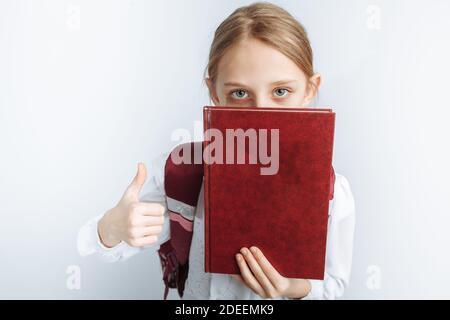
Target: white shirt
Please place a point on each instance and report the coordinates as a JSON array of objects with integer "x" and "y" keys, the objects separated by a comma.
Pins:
[{"x": 202, "y": 285}]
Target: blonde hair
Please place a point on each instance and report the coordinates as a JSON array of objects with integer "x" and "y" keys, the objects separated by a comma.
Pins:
[{"x": 269, "y": 23}]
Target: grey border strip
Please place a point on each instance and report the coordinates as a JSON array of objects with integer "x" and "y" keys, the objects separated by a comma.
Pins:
[{"x": 182, "y": 208}]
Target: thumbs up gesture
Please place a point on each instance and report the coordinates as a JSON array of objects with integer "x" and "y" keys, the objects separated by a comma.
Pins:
[{"x": 137, "y": 223}]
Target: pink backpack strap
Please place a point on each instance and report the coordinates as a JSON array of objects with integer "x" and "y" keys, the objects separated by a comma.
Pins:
[
  {"x": 332, "y": 181},
  {"x": 182, "y": 184}
]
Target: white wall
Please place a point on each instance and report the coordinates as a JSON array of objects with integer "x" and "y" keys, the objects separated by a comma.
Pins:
[{"x": 89, "y": 88}]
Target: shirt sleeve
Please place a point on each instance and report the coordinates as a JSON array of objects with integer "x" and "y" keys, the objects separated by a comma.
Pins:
[
  {"x": 88, "y": 241},
  {"x": 338, "y": 261}
]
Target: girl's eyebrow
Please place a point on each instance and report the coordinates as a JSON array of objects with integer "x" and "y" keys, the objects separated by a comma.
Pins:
[
  {"x": 276, "y": 83},
  {"x": 234, "y": 84},
  {"x": 280, "y": 82}
]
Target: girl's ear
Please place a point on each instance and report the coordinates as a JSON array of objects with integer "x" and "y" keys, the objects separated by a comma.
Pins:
[
  {"x": 312, "y": 88},
  {"x": 212, "y": 92}
]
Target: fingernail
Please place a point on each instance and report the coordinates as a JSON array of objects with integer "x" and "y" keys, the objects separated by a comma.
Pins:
[
  {"x": 244, "y": 250},
  {"x": 238, "y": 256},
  {"x": 254, "y": 249}
]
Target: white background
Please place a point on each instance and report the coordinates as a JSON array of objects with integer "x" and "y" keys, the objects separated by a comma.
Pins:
[{"x": 89, "y": 88}]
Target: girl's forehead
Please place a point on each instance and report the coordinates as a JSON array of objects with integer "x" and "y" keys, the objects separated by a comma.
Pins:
[{"x": 252, "y": 59}]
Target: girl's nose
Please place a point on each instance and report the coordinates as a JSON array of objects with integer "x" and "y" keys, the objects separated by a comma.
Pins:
[{"x": 261, "y": 102}]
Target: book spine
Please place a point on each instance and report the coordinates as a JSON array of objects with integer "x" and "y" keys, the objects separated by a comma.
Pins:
[
  {"x": 206, "y": 126},
  {"x": 331, "y": 134}
]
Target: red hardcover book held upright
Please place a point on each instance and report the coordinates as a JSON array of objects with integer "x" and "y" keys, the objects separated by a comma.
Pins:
[{"x": 254, "y": 199}]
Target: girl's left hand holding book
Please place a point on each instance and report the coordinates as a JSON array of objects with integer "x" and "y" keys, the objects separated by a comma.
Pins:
[{"x": 260, "y": 276}]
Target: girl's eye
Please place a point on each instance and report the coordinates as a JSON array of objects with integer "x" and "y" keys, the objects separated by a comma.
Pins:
[
  {"x": 281, "y": 92},
  {"x": 239, "y": 94}
]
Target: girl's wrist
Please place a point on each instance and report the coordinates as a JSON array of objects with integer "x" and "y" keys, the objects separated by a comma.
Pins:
[
  {"x": 105, "y": 236},
  {"x": 299, "y": 289}
]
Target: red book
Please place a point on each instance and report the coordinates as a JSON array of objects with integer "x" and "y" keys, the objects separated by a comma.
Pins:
[{"x": 273, "y": 193}]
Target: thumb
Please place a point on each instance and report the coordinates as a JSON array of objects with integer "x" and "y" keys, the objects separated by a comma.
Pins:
[{"x": 132, "y": 192}]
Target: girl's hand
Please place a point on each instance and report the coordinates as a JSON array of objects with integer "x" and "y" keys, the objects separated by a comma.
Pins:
[
  {"x": 136, "y": 223},
  {"x": 260, "y": 276}
]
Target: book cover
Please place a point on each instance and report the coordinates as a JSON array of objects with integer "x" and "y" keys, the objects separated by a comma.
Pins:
[{"x": 267, "y": 184}]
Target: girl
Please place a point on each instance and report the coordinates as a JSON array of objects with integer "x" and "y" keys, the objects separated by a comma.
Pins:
[{"x": 260, "y": 56}]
